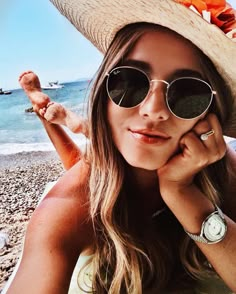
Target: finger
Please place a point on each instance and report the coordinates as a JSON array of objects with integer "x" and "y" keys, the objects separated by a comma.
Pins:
[
  {"x": 200, "y": 153},
  {"x": 210, "y": 129},
  {"x": 219, "y": 138},
  {"x": 203, "y": 126},
  {"x": 205, "y": 132},
  {"x": 193, "y": 147},
  {"x": 214, "y": 122}
]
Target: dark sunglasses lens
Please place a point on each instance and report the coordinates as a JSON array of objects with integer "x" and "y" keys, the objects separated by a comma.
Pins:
[
  {"x": 188, "y": 97},
  {"x": 127, "y": 87}
]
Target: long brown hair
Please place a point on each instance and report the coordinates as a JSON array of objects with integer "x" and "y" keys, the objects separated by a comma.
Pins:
[{"x": 125, "y": 260}]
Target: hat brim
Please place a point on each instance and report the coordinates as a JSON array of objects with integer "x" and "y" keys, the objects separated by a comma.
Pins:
[{"x": 99, "y": 21}]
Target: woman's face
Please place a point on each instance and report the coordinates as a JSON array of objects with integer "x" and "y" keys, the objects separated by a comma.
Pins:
[{"x": 148, "y": 135}]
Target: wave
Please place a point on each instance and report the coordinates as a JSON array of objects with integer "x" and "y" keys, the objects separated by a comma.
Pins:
[{"x": 13, "y": 148}]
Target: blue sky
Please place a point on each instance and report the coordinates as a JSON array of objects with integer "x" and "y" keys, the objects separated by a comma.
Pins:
[{"x": 35, "y": 36}]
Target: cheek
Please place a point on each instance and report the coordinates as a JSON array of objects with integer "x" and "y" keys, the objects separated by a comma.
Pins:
[
  {"x": 118, "y": 118},
  {"x": 185, "y": 126}
]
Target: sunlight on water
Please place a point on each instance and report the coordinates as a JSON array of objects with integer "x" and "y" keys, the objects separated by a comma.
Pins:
[{"x": 22, "y": 131}]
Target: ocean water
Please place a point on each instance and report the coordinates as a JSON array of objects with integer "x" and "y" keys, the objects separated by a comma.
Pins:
[{"x": 22, "y": 131}]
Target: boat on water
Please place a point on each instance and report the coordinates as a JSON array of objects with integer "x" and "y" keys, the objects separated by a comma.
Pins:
[
  {"x": 52, "y": 86},
  {"x": 4, "y": 92}
]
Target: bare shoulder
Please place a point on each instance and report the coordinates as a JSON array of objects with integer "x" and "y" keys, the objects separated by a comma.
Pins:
[
  {"x": 66, "y": 207},
  {"x": 59, "y": 230},
  {"x": 73, "y": 184},
  {"x": 230, "y": 197}
]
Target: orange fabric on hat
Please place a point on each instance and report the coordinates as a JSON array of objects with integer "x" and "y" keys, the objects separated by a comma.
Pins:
[
  {"x": 222, "y": 14},
  {"x": 198, "y": 4},
  {"x": 225, "y": 19}
]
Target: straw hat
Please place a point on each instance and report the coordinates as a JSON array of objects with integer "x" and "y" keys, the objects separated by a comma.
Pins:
[{"x": 100, "y": 20}]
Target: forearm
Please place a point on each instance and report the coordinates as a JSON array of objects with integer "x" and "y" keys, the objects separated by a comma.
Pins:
[
  {"x": 222, "y": 255},
  {"x": 67, "y": 150},
  {"x": 191, "y": 207}
]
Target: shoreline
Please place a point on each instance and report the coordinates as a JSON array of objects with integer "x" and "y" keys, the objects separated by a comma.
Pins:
[
  {"x": 26, "y": 158},
  {"x": 23, "y": 177}
]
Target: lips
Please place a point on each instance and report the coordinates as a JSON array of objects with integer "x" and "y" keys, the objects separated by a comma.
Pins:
[{"x": 148, "y": 136}]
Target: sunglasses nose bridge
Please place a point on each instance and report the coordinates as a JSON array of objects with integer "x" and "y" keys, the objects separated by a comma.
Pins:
[
  {"x": 157, "y": 82},
  {"x": 154, "y": 105}
]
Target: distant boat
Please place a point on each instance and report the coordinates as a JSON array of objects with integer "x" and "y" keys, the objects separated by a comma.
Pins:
[
  {"x": 4, "y": 92},
  {"x": 52, "y": 86}
]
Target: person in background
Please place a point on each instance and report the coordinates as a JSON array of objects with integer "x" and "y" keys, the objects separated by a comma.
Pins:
[{"x": 152, "y": 201}]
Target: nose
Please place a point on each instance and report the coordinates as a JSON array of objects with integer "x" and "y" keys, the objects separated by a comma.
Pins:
[{"x": 154, "y": 106}]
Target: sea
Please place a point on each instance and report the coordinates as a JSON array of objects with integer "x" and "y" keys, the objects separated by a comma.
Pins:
[{"x": 22, "y": 131}]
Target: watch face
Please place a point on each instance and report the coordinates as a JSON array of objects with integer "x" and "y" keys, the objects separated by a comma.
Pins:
[{"x": 214, "y": 228}]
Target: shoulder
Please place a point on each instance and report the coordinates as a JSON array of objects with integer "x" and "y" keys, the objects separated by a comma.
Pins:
[
  {"x": 73, "y": 184},
  {"x": 64, "y": 212}
]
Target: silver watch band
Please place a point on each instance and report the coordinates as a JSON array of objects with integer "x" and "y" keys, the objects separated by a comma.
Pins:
[
  {"x": 201, "y": 238},
  {"x": 197, "y": 238}
]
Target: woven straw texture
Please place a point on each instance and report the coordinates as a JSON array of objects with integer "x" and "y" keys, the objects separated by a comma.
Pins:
[{"x": 99, "y": 21}]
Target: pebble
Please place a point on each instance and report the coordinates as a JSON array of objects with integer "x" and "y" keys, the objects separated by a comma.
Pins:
[
  {"x": 23, "y": 177},
  {"x": 4, "y": 240}
]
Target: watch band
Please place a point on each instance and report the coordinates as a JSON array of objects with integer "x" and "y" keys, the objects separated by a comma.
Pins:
[
  {"x": 197, "y": 238},
  {"x": 201, "y": 237}
]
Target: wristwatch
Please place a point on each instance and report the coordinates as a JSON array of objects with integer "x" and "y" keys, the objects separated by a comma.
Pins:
[{"x": 213, "y": 228}]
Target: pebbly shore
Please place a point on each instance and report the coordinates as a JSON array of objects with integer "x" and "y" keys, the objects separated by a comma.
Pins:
[{"x": 23, "y": 178}]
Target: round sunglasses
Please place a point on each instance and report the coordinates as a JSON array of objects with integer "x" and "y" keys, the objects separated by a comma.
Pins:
[{"x": 186, "y": 97}]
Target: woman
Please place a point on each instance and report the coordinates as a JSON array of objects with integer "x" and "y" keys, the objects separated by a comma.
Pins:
[{"x": 153, "y": 199}]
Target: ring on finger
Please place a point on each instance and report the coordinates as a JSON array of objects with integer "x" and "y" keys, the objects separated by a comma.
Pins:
[{"x": 205, "y": 136}]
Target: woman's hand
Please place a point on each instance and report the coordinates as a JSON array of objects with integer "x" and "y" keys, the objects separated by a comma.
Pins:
[
  {"x": 195, "y": 154},
  {"x": 187, "y": 202}
]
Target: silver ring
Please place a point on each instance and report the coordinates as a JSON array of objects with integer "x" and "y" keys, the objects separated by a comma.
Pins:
[{"x": 205, "y": 136}]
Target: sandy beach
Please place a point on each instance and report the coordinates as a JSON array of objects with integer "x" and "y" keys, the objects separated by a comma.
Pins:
[{"x": 23, "y": 177}]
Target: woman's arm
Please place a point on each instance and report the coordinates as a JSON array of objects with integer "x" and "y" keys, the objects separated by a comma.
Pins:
[{"x": 190, "y": 205}]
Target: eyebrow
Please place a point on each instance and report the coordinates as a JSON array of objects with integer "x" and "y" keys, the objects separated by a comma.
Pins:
[
  {"x": 185, "y": 72},
  {"x": 138, "y": 64},
  {"x": 146, "y": 67}
]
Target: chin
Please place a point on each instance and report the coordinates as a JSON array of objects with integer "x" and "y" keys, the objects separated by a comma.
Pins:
[{"x": 147, "y": 164}]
